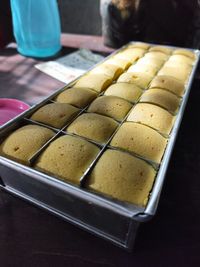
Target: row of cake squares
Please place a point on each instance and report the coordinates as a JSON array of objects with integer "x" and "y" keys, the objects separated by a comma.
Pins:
[
  {"x": 128, "y": 90},
  {"x": 68, "y": 158},
  {"x": 114, "y": 108},
  {"x": 100, "y": 124},
  {"x": 143, "y": 140},
  {"x": 116, "y": 102}
]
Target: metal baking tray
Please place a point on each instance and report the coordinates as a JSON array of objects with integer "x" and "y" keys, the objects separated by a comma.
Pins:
[{"x": 93, "y": 212}]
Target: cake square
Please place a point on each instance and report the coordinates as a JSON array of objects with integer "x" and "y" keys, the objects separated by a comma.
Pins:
[
  {"x": 140, "y": 79},
  {"x": 55, "y": 114},
  {"x": 168, "y": 83},
  {"x": 67, "y": 158},
  {"x": 78, "y": 97},
  {"x": 24, "y": 142},
  {"x": 110, "y": 106},
  {"x": 153, "y": 116},
  {"x": 123, "y": 177},
  {"x": 162, "y": 98},
  {"x": 93, "y": 126},
  {"x": 96, "y": 81},
  {"x": 140, "y": 139},
  {"x": 127, "y": 91}
]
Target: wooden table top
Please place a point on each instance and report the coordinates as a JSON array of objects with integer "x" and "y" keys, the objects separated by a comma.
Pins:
[
  {"x": 20, "y": 79},
  {"x": 32, "y": 237}
]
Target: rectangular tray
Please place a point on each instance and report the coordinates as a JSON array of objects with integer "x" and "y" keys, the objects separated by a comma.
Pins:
[{"x": 87, "y": 210}]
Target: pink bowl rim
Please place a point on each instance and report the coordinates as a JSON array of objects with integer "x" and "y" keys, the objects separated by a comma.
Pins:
[
  {"x": 12, "y": 103},
  {"x": 18, "y": 102}
]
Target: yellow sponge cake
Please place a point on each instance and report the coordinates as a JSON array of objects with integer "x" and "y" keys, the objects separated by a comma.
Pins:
[
  {"x": 157, "y": 54},
  {"x": 141, "y": 140},
  {"x": 181, "y": 74},
  {"x": 23, "y": 143},
  {"x": 169, "y": 83},
  {"x": 78, "y": 97},
  {"x": 93, "y": 126},
  {"x": 143, "y": 68},
  {"x": 122, "y": 63},
  {"x": 184, "y": 66},
  {"x": 181, "y": 59},
  {"x": 97, "y": 81},
  {"x": 185, "y": 52},
  {"x": 131, "y": 54},
  {"x": 137, "y": 78},
  {"x": 112, "y": 70},
  {"x": 123, "y": 177},
  {"x": 128, "y": 91},
  {"x": 67, "y": 158},
  {"x": 55, "y": 114},
  {"x": 152, "y": 61},
  {"x": 162, "y": 98},
  {"x": 164, "y": 49},
  {"x": 153, "y": 116},
  {"x": 110, "y": 106},
  {"x": 144, "y": 46}
]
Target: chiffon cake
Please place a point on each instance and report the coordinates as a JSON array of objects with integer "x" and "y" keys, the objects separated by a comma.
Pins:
[
  {"x": 142, "y": 68},
  {"x": 123, "y": 177},
  {"x": 163, "y": 49},
  {"x": 144, "y": 46},
  {"x": 179, "y": 73},
  {"x": 110, "y": 106},
  {"x": 112, "y": 70},
  {"x": 24, "y": 142},
  {"x": 138, "y": 78},
  {"x": 55, "y": 114},
  {"x": 181, "y": 59},
  {"x": 126, "y": 91},
  {"x": 122, "y": 63},
  {"x": 78, "y": 97},
  {"x": 157, "y": 55},
  {"x": 152, "y": 61},
  {"x": 184, "y": 52},
  {"x": 140, "y": 139},
  {"x": 67, "y": 158},
  {"x": 131, "y": 54},
  {"x": 93, "y": 126},
  {"x": 96, "y": 81},
  {"x": 153, "y": 116},
  {"x": 162, "y": 98},
  {"x": 168, "y": 83}
]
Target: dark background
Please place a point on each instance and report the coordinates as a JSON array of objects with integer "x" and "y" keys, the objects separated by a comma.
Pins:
[{"x": 175, "y": 22}]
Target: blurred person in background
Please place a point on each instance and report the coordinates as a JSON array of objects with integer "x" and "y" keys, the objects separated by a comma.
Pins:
[
  {"x": 6, "y": 32},
  {"x": 172, "y": 22}
]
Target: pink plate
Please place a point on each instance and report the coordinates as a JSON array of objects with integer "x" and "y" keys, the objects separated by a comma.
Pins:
[{"x": 10, "y": 108}]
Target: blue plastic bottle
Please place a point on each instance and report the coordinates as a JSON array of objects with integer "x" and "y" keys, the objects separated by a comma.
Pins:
[{"x": 36, "y": 25}]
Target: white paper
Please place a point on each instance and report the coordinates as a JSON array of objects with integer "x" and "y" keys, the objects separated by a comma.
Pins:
[{"x": 67, "y": 68}]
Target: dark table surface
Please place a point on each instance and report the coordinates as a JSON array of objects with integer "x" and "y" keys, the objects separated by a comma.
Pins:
[{"x": 32, "y": 237}]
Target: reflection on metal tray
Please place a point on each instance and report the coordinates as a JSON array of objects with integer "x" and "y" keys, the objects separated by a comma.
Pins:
[{"x": 93, "y": 212}]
